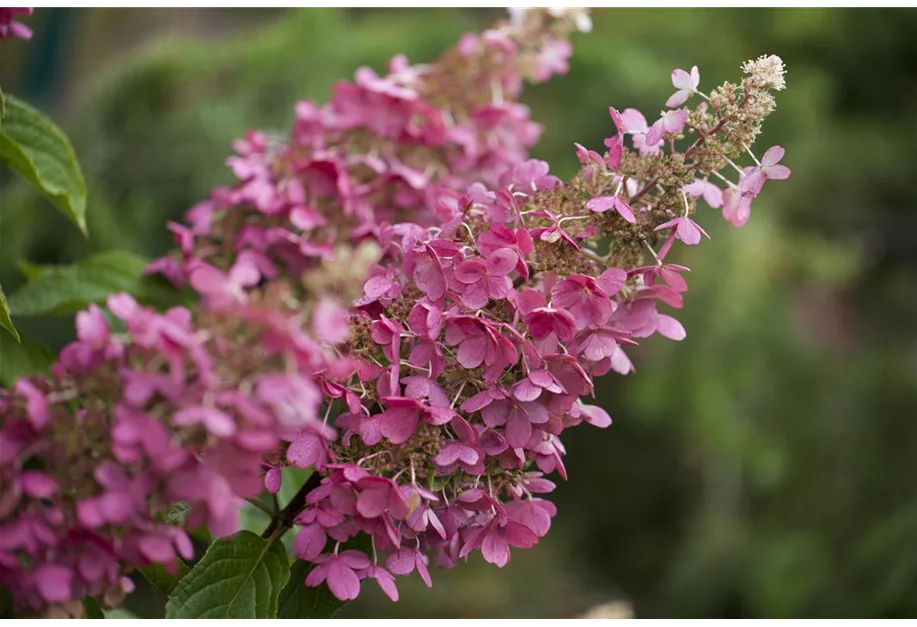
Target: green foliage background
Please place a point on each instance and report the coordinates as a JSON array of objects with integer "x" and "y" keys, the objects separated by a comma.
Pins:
[{"x": 764, "y": 467}]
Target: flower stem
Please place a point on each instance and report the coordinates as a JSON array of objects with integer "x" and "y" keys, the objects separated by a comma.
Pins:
[{"x": 283, "y": 520}]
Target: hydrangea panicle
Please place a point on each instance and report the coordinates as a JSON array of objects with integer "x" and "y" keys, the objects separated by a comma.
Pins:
[{"x": 396, "y": 296}]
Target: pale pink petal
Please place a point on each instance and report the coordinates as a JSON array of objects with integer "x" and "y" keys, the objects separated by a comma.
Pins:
[
  {"x": 625, "y": 211},
  {"x": 596, "y": 416},
  {"x": 773, "y": 156},
  {"x": 634, "y": 121},
  {"x": 669, "y": 327},
  {"x": 682, "y": 80},
  {"x": 778, "y": 172},
  {"x": 678, "y": 98},
  {"x": 601, "y": 204}
]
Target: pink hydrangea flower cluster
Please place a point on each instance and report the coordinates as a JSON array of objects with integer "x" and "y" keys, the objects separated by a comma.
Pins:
[
  {"x": 164, "y": 423},
  {"x": 400, "y": 270},
  {"x": 9, "y": 28}
]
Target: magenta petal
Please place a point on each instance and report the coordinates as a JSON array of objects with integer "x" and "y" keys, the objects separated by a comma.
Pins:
[
  {"x": 401, "y": 562},
  {"x": 472, "y": 351},
  {"x": 372, "y": 502},
  {"x": 387, "y": 584},
  {"x": 310, "y": 542},
  {"x": 688, "y": 232},
  {"x": 470, "y": 271},
  {"x": 612, "y": 280},
  {"x": 495, "y": 549},
  {"x": 398, "y": 424},
  {"x": 317, "y": 575},
  {"x": 518, "y": 431},
  {"x": 53, "y": 583},
  {"x": 448, "y": 455},
  {"x": 307, "y": 449},
  {"x": 519, "y": 535},
  {"x": 342, "y": 581},
  {"x": 37, "y": 484},
  {"x": 156, "y": 549},
  {"x": 355, "y": 559}
]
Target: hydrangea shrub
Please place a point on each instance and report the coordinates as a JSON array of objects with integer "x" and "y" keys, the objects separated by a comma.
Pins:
[{"x": 395, "y": 298}]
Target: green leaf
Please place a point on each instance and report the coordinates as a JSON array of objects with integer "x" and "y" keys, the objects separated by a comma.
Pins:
[
  {"x": 2, "y": 107},
  {"x": 5, "y": 321},
  {"x": 29, "y": 356},
  {"x": 120, "y": 612},
  {"x": 92, "y": 608},
  {"x": 161, "y": 580},
  {"x": 28, "y": 270},
  {"x": 36, "y": 148},
  {"x": 299, "y": 601},
  {"x": 238, "y": 577},
  {"x": 6, "y": 604},
  {"x": 68, "y": 289}
]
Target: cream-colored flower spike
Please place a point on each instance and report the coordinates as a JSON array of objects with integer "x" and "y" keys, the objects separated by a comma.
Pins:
[
  {"x": 577, "y": 9},
  {"x": 767, "y": 72}
]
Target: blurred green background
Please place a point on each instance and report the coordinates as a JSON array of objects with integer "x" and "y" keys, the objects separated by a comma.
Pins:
[{"x": 764, "y": 467}]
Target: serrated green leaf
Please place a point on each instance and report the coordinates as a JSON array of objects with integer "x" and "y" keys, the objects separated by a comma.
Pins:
[
  {"x": 67, "y": 289},
  {"x": 28, "y": 270},
  {"x": 300, "y": 601},
  {"x": 92, "y": 608},
  {"x": 5, "y": 320},
  {"x": 164, "y": 583},
  {"x": 28, "y": 356},
  {"x": 238, "y": 577},
  {"x": 35, "y": 147}
]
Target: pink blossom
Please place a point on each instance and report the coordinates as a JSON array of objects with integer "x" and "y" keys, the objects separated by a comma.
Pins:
[
  {"x": 553, "y": 58},
  {"x": 9, "y": 28},
  {"x": 340, "y": 571},
  {"x": 712, "y": 194},
  {"x": 497, "y": 537},
  {"x": 686, "y": 230},
  {"x": 584, "y": 299},
  {"x": 671, "y": 122},
  {"x": 686, "y": 84},
  {"x": 385, "y": 580},
  {"x": 331, "y": 322},
  {"x": 605, "y": 203},
  {"x": 769, "y": 168},
  {"x": 615, "y": 144},
  {"x": 736, "y": 207},
  {"x": 486, "y": 278}
]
